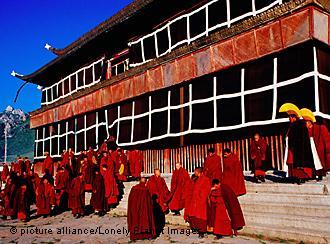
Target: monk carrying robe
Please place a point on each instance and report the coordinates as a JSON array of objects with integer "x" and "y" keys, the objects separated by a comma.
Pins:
[
  {"x": 232, "y": 173},
  {"x": 22, "y": 201},
  {"x": 98, "y": 200},
  {"x": 212, "y": 165},
  {"x": 180, "y": 186},
  {"x": 258, "y": 155},
  {"x": 111, "y": 187},
  {"x": 48, "y": 165},
  {"x": 77, "y": 196},
  {"x": 197, "y": 213},
  {"x": 62, "y": 184},
  {"x": 45, "y": 197},
  {"x": 140, "y": 218},
  {"x": 158, "y": 189},
  {"x": 135, "y": 163}
]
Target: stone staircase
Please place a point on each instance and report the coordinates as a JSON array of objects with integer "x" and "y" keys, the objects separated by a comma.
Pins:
[{"x": 275, "y": 211}]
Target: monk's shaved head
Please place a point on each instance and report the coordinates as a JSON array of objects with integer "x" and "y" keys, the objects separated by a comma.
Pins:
[
  {"x": 198, "y": 171},
  {"x": 178, "y": 165},
  {"x": 157, "y": 172},
  {"x": 143, "y": 180}
]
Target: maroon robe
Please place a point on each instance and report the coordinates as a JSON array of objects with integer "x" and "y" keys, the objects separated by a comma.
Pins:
[
  {"x": 140, "y": 217},
  {"x": 320, "y": 135},
  {"x": 135, "y": 163},
  {"x": 212, "y": 167},
  {"x": 90, "y": 154},
  {"x": 22, "y": 202},
  {"x": 111, "y": 187},
  {"x": 62, "y": 184},
  {"x": 233, "y": 174},
  {"x": 158, "y": 187},
  {"x": 233, "y": 208},
  {"x": 9, "y": 192},
  {"x": 87, "y": 171},
  {"x": 218, "y": 220},
  {"x": 197, "y": 213},
  {"x": 45, "y": 198},
  {"x": 4, "y": 173},
  {"x": 98, "y": 200},
  {"x": 77, "y": 196},
  {"x": 48, "y": 164},
  {"x": 258, "y": 150},
  {"x": 180, "y": 186}
]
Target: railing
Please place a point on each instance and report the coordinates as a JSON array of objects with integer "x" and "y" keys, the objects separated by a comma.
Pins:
[
  {"x": 80, "y": 82},
  {"x": 205, "y": 11},
  {"x": 115, "y": 69}
]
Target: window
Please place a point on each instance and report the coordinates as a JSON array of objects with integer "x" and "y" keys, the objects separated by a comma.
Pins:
[
  {"x": 197, "y": 23},
  {"x": 202, "y": 116},
  {"x": 229, "y": 111},
  {"x": 178, "y": 31},
  {"x": 217, "y": 13},
  {"x": 229, "y": 81},
  {"x": 259, "y": 73},
  {"x": 149, "y": 48},
  {"x": 259, "y": 106},
  {"x": 162, "y": 41},
  {"x": 239, "y": 8}
]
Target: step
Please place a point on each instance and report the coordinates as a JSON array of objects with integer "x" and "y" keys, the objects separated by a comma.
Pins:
[
  {"x": 289, "y": 221},
  {"x": 282, "y": 234},
  {"x": 292, "y": 209},
  {"x": 310, "y": 189},
  {"x": 283, "y": 198}
]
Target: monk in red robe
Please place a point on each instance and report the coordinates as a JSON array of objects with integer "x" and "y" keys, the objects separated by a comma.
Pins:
[
  {"x": 197, "y": 214},
  {"x": 319, "y": 135},
  {"x": 180, "y": 185},
  {"x": 111, "y": 187},
  {"x": 8, "y": 195},
  {"x": 62, "y": 184},
  {"x": 98, "y": 200},
  {"x": 48, "y": 164},
  {"x": 212, "y": 165},
  {"x": 87, "y": 169},
  {"x": 121, "y": 165},
  {"x": 22, "y": 200},
  {"x": 45, "y": 198},
  {"x": 258, "y": 150},
  {"x": 158, "y": 189},
  {"x": 135, "y": 158},
  {"x": 218, "y": 221},
  {"x": 77, "y": 196},
  {"x": 233, "y": 173},
  {"x": 28, "y": 165},
  {"x": 5, "y": 172},
  {"x": 140, "y": 217},
  {"x": 225, "y": 215}
]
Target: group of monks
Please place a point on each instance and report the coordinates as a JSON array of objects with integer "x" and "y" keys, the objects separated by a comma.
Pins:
[
  {"x": 208, "y": 197},
  {"x": 98, "y": 172},
  {"x": 307, "y": 154}
]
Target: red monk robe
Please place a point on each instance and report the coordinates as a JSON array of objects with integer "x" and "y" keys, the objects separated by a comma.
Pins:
[
  {"x": 48, "y": 164},
  {"x": 87, "y": 169},
  {"x": 62, "y": 184},
  {"x": 45, "y": 198},
  {"x": 27, "y": 165},
  {"x": 4, "y": 173},
  {"x": 140, "y": 217},
  {"x": 21, "y": 202},
  {"x": 258, "y": 150},
  {"x": 8, "y": 193},
  {"x": 180, "y": 187},
  {"x": 111, "y": 187},
  {"x": 218, "y": 220},
  {"x": 212, "y": 165},
  {"x": 321, "y": 138},
  {"x": 232, "y": 173},
  {"x": 90, "y": 154},
  {"x": 121, "y": 167},
  {"x": 77, "y": 196},
  {"x": 135, "y": 158},
  {"x": 98, "y": 200},
  {"x": 197, "y": 213},
  {"x": 157, "y": 186}
]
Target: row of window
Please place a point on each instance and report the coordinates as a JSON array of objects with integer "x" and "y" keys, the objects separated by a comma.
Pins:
[
  {"x": 201, "y": 22},
  {"x": 235, "y": 98}
]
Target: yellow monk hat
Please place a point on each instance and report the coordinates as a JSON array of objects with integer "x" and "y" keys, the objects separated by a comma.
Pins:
[
  {"x": 307, "y": 114},
  {"x": 290, "y": 109}
]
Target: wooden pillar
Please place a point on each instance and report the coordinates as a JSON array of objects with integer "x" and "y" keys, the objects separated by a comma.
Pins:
[
  {"x": 181, "y": 116},
  {"x": 167, "y": 160}
]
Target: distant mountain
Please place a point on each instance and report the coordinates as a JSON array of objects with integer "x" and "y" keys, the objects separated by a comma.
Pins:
[{"x": 20, "y": 137}]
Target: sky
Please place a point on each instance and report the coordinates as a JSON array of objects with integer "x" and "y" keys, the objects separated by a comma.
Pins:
[{"x": 25, "y": 27}]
